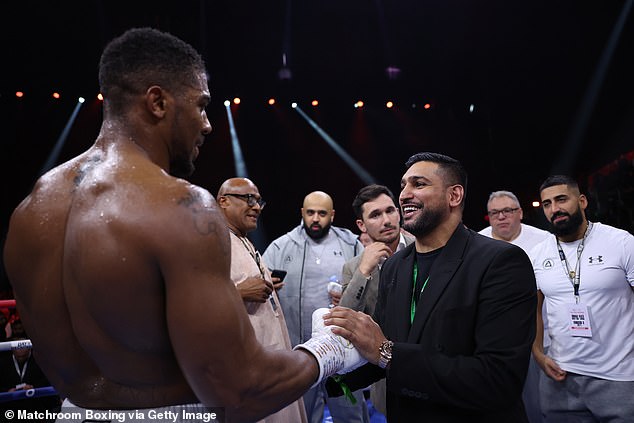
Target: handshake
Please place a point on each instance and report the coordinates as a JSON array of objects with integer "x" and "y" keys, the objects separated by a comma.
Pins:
[{"x": 333, "y": 353}]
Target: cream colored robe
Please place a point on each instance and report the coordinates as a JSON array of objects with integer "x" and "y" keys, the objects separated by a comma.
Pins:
[{"x": 269, "y": 324}]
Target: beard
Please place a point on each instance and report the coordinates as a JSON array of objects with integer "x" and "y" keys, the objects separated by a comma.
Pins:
[
  {"x": 181, "y": 167},
  {"x": 566, "y": 227},
  {"x": 315, "y": 233},
  {"x": 427, "y": 221}
]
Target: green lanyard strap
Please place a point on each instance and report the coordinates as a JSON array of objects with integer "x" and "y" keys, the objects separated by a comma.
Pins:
[
  {"x": 346, "y": 390},
  {"x": 413, "y": 302}
]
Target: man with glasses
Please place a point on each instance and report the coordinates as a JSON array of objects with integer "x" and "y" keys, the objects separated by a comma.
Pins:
[
  {"x": 505, "y": 216},
  {"x": 241, "y": 203}
]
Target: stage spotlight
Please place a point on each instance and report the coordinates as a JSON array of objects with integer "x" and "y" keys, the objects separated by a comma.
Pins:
[
  {"x": 236, "y": 100},
  {"x": 359, "y": 104},
  {"x": 294, "y": 105},
  {"x": 81, "y": 99},
  {"x": 19, "y": 94},
  {"x": 427, "y": 106},
  {"x": 389, "y": 104},
  {"x": 100, "y": 97},
  {"x": 315, "y": 103},
  {"x": 227, "y": 103},
  {"x": 56, "y": 95},
  {"x": 471, "y": 108},
  {"x": 535, "y": 204},
  {"x": 271, "y": 101}
]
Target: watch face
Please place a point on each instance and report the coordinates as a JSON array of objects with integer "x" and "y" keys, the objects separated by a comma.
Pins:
[
  {"x": 385, "y": 354},
  {"x": 386, "y": 349}
]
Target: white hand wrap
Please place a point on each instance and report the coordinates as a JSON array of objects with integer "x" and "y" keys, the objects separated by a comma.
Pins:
[{"x": 333, "y": 353}]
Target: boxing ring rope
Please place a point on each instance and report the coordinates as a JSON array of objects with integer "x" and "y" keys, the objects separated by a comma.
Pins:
[
  {"x": 15, "y": 345},
  {"x": 45, "y": 391},
  {"x": 7, "y": 303}
]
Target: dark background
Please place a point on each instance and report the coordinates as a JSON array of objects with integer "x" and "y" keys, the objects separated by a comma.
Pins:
[{"x": 526, "y": 66}]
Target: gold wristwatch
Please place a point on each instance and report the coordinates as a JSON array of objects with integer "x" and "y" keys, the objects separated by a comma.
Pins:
[{"x": 385, "y": 353}]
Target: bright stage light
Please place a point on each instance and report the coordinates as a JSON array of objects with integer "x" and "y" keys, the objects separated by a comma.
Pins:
[
  {"x": 56, "y": 95},
  {"x": 236, "y": 100},
  {"x": 271, "y": 101},
  {"x": 227, "y": 103},
  {"x": 294, "y": 105},
  {"x": 19, "y": 94},
  {"x": 358, "y": 104},
  {"x": 389, "y": 104},
  {"x": 81, "y": 99},
  {"x": 471, "y": 108},
  {"x": 100, "y": 97},
  {"x": 315, "y": 103},
  {"x": 535, "y": 204},
  {"x": 427, "y": 106}
]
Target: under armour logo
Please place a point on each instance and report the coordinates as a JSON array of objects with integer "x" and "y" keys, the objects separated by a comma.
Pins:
[
  {"x": 548, "y": 264},
  {"x": 595, "y": 260},
  {"x": 338, "y": 253}
]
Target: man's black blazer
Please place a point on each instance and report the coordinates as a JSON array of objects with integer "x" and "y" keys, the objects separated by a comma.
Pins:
[{"x": 465, "y": 357}]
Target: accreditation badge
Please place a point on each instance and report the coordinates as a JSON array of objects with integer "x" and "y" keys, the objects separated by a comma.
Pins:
[{"x": 579, "y": 320}]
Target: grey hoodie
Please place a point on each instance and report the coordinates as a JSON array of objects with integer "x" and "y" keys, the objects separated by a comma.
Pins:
[{"x": 288, "y": 252}]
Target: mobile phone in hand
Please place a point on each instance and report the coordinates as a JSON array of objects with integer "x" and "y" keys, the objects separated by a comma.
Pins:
[{"x": 278, "y": 273}]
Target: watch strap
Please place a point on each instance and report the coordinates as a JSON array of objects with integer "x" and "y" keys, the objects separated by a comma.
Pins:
[{"x": 385, "y": 353}]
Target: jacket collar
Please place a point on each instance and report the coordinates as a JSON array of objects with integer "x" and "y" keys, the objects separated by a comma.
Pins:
[{"x": 444, "y": 268}]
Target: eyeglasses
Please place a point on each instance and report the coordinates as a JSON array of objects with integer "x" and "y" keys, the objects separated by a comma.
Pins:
[
  {"x": 251, "y": 199},
  {"x": 506, "y": 212}
]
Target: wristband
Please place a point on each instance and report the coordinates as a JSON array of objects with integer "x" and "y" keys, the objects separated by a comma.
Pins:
[{"x": 328, "y": 352}]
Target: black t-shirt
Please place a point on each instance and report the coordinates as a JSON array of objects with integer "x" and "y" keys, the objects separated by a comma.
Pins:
[{"x": 424, "y": 261}]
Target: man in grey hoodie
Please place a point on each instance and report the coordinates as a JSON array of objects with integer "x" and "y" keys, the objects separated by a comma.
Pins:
[{"x": 313, "y": 254}]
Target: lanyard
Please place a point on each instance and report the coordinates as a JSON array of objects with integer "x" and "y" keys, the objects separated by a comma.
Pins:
[
  {"x": 255, "y": 255},
  {"x": 574, "y": 275},
  {"x": 412, "y": 309},
  {"x": 17, "y": 368}
]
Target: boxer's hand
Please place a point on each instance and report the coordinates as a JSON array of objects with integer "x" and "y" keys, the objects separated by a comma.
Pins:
[{"x": 333, "y": 353}]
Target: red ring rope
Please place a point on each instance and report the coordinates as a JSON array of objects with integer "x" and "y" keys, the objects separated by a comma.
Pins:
[{"x": 7, "y": 303}]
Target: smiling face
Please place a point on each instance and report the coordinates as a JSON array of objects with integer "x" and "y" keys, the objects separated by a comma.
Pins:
[
  {"x": 241, "y": 217},
  {"x": 423, "y": 199}
]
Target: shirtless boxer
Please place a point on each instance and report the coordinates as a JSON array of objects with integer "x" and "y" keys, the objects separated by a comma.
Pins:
[{"x": 121, "y": 269}]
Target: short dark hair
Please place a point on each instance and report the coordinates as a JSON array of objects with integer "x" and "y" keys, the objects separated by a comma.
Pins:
[
  {"x": 452, "y": 168},
  {"x": 142, "y": 57},
  {"x": 369, "y": 193},
  {"x": 553, "y": 180}
]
